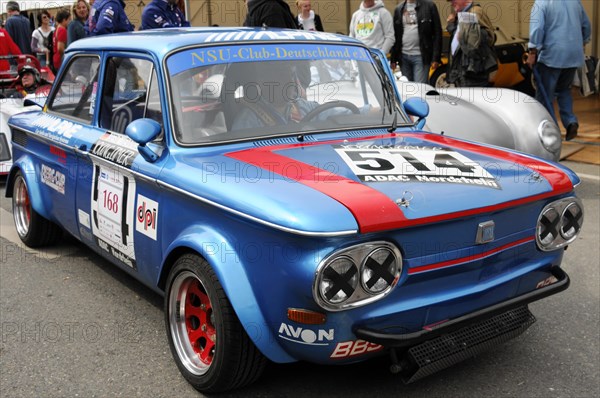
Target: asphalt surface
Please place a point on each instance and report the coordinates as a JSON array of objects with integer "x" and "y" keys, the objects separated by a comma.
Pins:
[{"x": 73, "y": 325}]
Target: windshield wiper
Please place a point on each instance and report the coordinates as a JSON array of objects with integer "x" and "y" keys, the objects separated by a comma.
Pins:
[{"x": 388, "y": 95}]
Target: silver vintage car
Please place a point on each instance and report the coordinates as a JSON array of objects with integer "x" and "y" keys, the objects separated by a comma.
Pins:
[{"x": 496, "y": 116}]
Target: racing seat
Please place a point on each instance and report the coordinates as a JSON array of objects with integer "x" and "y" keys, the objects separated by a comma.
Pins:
[{"x": 239, "y": 77}]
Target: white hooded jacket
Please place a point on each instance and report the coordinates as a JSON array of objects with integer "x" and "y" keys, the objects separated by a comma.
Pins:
[{"x": 373, "y": 26}]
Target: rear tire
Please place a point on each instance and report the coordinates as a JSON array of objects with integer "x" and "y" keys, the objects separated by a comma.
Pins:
[
  {"x": 209, "y": 344},
  {"x": 33, "y": 229}
]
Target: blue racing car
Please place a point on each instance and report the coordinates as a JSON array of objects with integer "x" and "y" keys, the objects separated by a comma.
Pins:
[{"x": 274, "y": 188}]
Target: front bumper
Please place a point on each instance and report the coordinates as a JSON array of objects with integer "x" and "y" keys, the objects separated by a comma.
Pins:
[
  {"x": 393, "y": 340},
  {"x": 420, "y": 354}
]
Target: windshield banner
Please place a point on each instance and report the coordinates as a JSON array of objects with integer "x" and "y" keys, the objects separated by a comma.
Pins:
[{"x": 203, "y": 56}]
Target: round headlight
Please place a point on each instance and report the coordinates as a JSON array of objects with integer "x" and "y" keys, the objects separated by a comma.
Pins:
[
  {"x": 549, "y": 134},
  {"x": 339, "y": 280},
  {"x": 379, "y": 270},
  {"x": 571, "y": 220},
  {"x": 548, "y": 225}
]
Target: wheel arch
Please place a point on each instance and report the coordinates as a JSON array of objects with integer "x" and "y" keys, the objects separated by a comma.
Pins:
[
  {"x": 222, "y": 257},
  {"x": 27, "y": 170}
]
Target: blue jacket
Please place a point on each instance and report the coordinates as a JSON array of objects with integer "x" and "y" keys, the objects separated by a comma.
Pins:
[
  {"x": 161, "y": 14},
  {"x": 559, "y": 29},
  {"x": 108, "y": 16}
]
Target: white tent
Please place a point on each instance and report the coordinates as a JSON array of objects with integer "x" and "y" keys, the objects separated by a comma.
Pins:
[{"x": 37, "y": 4}]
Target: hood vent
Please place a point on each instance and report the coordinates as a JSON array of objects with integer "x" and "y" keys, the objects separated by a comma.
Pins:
[
  {"x": 365, "y": 133},
  {"x": 285, "y": 141},
  {"x": 18, "y": 137}
]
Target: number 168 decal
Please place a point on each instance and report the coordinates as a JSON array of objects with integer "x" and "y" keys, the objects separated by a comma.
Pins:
[
  {"x": 113, "y": 195},
  {"x": 434, "y": 165}
]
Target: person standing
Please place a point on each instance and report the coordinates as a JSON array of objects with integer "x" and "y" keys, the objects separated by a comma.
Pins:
[
  {"x": 59, "y": 39},
  {"x": 473, "y": 60},
  {"x": 558, "y": 32},
  {"x": 108, "y": 16},
  {"x": 270, "y": 13},
  {"x": 163, "y": 14},
  {"x": 18, "y": 27},
  {"x": 76, "y": 28},
  {"x": 7, "y": 47},
  {"x": 307, "y": 19},
  {"x": 373, "y": 25},
  {"x": 41, "y": 37},
  {"x": 418, "y": 44}
]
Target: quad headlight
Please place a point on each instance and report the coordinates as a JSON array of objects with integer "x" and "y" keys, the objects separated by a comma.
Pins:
[
  {"x": 357, "y": 275},
  {"x": 559, "y": 224}
]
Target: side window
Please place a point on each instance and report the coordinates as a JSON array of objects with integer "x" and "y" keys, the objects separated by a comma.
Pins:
[
  {"x": 130, "y": 92},
  {"x": 76, "y": 92}
]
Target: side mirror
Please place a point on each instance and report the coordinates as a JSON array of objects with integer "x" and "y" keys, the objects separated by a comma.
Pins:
[
  {"x": 143, "y": 131},
  {"x": 31, "y": 102},
  {"x": 418, "y": 107}
]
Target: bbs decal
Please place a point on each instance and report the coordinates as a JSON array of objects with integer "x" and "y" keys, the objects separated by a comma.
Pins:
[{"x": 407, "y": 164}]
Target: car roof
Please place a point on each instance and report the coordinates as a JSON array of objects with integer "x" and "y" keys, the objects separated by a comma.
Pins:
[{"x": 163, "y": 41}]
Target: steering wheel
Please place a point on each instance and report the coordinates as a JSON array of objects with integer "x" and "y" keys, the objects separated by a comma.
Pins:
[{"x": 329, "y": 105}]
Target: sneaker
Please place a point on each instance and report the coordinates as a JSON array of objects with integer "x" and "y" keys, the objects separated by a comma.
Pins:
[{"x": 572, "y": 131}]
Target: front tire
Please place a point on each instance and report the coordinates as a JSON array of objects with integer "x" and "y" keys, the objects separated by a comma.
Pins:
[
  {"x": 33, "y": 229},
  {"x": 210, "y": 346}
]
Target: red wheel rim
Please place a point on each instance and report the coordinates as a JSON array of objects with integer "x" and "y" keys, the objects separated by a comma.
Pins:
[
  {"x": 198, "y": 319},
  {"x": 191, "y": 318}
]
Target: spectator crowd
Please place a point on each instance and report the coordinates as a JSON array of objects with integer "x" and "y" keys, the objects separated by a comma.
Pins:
[{"x": 412, "y": 37}]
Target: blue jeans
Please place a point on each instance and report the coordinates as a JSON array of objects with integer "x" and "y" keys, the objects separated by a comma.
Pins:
[
  {"x": 556, "y": 83},
  {"x": 413, "y": 68}
]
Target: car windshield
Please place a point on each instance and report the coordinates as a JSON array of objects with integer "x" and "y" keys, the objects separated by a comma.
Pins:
[{"x": 266, "y": 90}]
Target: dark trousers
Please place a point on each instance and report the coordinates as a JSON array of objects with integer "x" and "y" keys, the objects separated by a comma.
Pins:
[{"x": 556, "y": 83}]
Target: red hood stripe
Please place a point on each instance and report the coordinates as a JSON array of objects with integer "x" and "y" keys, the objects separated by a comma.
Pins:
[{"x": 373, "y": 210}]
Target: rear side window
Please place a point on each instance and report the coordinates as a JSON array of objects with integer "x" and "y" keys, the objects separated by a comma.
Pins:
[{"x": 76, "y": 91}]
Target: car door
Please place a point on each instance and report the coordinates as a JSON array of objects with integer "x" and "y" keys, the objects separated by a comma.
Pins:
[
  {"x": 117, "y": 200},
  {"x": 57, "y": 145}
]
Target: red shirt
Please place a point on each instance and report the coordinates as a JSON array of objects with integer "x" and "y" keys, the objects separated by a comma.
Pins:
[
  {"x": 60, "y": 34},
  {"x": 7, "y": 47}
]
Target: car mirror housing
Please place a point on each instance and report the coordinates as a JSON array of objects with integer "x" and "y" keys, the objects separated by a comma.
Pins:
[
  {"x": 417, "y": 107},
  {"x": 143, "y": 131},
  {"x": 30, "y": 102}
]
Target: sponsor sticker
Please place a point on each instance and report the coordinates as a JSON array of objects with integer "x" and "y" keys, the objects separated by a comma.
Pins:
[
  {"x": 348, "y": 349},
  {"x": 116, "y": 148},
  {"x": 185, "y": 60},
  {"x": 300, "y": 335},
  {"x": 146, "y": 216},
  {"x": 53, "y": 178},
  {"x": 546, "y": 282},
  {"x": 61, "y": 155},
  {"x": 437, "y": 165},
  {"x": 55, "y": 128},
  {"x": 84, "y": 218},
  {"x": 113, "y": 208}
]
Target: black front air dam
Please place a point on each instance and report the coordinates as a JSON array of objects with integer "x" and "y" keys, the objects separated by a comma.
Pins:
[
  {"x": 446, "y": 350},
  {"x": 428, "y": 351}
]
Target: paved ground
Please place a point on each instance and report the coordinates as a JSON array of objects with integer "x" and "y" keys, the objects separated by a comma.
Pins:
[{"x": 73, "y": 325}]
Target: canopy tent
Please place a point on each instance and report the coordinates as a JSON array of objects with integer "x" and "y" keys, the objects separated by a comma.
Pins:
[{"x": 37, "y": 4}]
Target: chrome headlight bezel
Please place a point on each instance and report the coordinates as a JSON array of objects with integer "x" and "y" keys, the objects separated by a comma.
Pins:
[
  {"x": 549, "y": 135},
  {"x": 380, "y": 262},
  {"x": 550, "y": 233}
]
